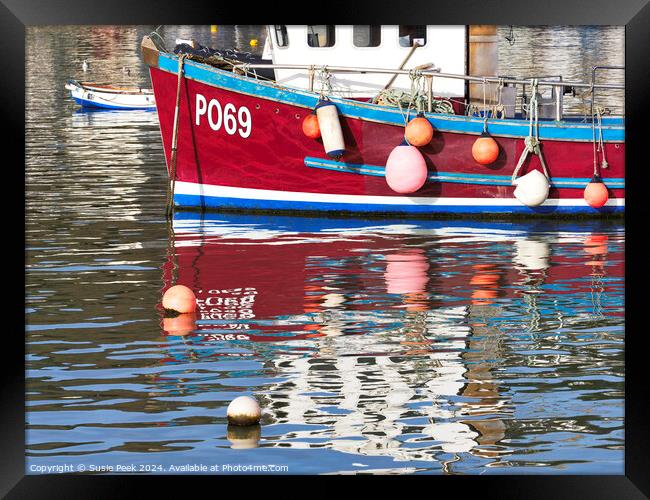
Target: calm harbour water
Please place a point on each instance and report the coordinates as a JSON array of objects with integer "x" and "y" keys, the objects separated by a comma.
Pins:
[{"x": 373, "y": 346}]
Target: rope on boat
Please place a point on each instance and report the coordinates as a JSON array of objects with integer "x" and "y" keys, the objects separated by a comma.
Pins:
[
  {"x": 485, "y": 113},
  {"x": 325, "y": 79},
  {"x": 599, "y": 144},
  {"x": 171, "y": 251},
  {"x": 532, "y": 143},
  {"x": 161, "y": 44},
  {"x": 172, "y": 162},
  {"x": 417, "y": 98},
  {"x": 497, "y": 110}
]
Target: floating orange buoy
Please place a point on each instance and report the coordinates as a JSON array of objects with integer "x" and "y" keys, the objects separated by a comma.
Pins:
[
  {"x": 180, "y": 299},
  {"x": 310, "y": 126},
  {"x": 406, "y": 171},
  {"x": 485, "y": 149},
  {"x": 596, "y": 194},
  {"x": 419, "y": 131}
]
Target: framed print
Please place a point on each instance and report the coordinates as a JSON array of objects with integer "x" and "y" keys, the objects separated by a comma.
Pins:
[{"x": 378, "y": 250}]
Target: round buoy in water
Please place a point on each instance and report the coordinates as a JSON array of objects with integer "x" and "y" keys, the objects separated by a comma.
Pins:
[
  {"x": 406, "y": 171},
  {"x": 596, "y": 194},
  {"x": 310, "y": 126},
  {"x": 330, "y": 128},
  {"x": 179, "y": 299},
  {"x": 243, "y": 410},
  {"x": 532, "y": 188},
  {"x": 253, "y": 42},
  {"x": 419, "y": 131},
  {"x": 485, "y": 149}
]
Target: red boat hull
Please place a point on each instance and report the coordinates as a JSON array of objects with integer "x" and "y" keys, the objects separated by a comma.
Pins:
[{"x": 272, "y": 157}]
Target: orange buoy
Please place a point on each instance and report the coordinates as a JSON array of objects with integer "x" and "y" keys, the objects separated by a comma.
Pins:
[
  {"x": 310, "y": 126},
  {"x": 485, "y": 149},
  {"x": 419, "y": 131},
  {"x": 596, "y": 194},
  {"x": 179, "y": 299},
  {"x": 406, "y": 170}
]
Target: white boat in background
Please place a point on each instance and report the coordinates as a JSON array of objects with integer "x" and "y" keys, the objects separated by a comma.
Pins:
[{"x": 105, "y": 96}]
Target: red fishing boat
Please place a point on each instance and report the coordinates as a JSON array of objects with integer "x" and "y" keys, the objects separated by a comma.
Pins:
[{"x": 234, "y": 139}]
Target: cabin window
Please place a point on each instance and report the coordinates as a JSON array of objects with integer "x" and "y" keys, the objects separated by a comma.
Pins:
[
  {"x": 366, "y": 35},
  {"x": 321, "y": 35},
  {"x": 281, "y": 37},
  {"x": 409, "y": 35}
]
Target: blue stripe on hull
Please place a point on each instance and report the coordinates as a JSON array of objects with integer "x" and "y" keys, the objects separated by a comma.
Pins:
[
  {"x": 212, "y": 202},
  {"x": 613, "y": 129},
  {"x": 455, "y": 177},
  {"x": 312, "y": 224},
  {"x": 92, "y": 104}
]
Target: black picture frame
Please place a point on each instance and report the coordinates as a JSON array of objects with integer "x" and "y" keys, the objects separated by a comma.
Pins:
[{"x": 15, "y": 15}]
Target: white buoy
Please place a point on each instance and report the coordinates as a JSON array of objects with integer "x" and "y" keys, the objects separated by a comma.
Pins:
[
  {"x": 532, "y": 188},
  {"x": 243, "y": 410},
  {"x": 85, "y": 65},
  {"x": 330, "y": 128}
]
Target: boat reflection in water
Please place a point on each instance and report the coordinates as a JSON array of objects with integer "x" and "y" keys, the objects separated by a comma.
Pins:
[
  {"x": 409, "y": 341},
  {"x": 112, "y": 118}
]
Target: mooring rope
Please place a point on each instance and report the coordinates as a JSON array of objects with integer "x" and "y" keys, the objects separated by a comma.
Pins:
[
  {"x": 171, "y": 250},
  {"x": 600, "y": 142},
  {"x": 325, "y": 80},
  {"x": 532, "y": 144},
  {"x": 485, "y": 110},
  {"x": 499, "y": 109},
  {"x": 172, "y": 162},
  {"x": 416, "y": 98}
]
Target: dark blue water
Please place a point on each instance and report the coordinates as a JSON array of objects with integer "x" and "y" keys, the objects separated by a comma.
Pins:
[{"x": 373, "y": 346}]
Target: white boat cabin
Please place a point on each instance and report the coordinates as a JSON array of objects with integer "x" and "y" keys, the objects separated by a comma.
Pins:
[{"x": 369, "y": 46}]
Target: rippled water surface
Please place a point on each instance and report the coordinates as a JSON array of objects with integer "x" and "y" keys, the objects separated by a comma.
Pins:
[{"x": 373, "y": 346}]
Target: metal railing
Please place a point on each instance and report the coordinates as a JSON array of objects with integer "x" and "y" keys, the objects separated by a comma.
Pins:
[
  {"x": 593, "y": 82},
  {"x": 434, "y": 74}
]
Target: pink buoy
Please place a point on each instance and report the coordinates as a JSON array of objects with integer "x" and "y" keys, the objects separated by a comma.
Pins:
[
  {"x": 406, "y": 171},
  {"x": 180, "y": 299}
]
